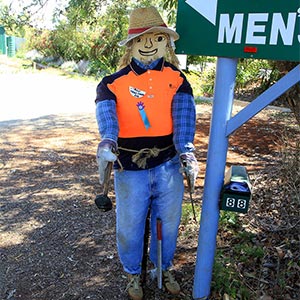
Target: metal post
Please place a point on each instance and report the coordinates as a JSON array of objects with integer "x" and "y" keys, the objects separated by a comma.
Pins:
[
  {"x": 215, "y": 167},
  {"x": 159, "y": 253}
]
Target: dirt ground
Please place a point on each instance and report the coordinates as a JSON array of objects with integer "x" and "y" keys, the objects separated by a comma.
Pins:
[{"x": 55, "y": 244}]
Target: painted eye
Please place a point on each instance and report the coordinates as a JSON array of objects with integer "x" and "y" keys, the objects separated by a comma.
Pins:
[{"x": 160, "y": 38}]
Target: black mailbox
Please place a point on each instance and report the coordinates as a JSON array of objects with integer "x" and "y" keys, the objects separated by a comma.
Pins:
[{"x": 236, "y": 191}]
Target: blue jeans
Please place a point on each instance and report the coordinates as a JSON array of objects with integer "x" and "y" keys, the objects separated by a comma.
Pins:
[{"x": 160, "y": 188}]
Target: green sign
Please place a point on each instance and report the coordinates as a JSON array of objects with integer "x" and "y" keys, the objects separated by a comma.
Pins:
[{"x": 268, "y": 29}]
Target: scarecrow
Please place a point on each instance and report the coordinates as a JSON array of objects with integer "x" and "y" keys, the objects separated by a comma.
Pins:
[{"x": 146, "y": 119}]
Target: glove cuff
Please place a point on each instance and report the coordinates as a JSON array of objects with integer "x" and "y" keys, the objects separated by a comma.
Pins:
[
  {"x": 109, "y": 144},
  {"x": 187, "y": 156}
]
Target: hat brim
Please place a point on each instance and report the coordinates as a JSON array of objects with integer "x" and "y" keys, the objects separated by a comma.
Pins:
[{"x": 173, "y": 34}]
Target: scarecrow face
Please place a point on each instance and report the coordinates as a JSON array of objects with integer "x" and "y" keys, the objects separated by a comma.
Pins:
[{"x": 149, "y": 47}]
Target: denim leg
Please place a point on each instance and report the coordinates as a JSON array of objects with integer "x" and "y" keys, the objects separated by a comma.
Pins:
[
  {"x": 132, "y": 201},
  {"x": 162, "y": 188},
  {"x": 166, "y": 204}
]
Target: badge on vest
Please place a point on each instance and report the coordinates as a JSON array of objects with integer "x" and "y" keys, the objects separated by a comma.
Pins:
[{"x": 136, "y": 93}]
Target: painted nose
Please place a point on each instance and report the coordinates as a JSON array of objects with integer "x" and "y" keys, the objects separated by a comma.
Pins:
[{"x": 148, "y": 43}]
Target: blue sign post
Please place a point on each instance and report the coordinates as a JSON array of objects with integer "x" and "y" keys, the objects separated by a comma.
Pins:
[
  {"x": 215, "y": 22},
  {"x": 215, "y": 166},
  {"x": 222, "y": 125}
]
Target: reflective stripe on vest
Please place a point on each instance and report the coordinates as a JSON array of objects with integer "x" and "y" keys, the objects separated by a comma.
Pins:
[{"x": 144, "y": 102}]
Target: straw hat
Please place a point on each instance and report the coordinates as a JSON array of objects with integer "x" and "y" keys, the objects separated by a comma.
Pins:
[{"x": 147, "y": 19}]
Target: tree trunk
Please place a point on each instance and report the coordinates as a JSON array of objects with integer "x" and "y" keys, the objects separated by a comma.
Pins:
[{"x": 292, "y": 96}]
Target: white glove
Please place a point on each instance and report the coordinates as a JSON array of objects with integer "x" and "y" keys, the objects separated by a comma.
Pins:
[
  {"x": 104, "y": 156},
  {"x": 190, "y": 168}
]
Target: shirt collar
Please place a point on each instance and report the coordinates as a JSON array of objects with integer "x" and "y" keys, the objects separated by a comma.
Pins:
[{"x": 139, "y": 68}]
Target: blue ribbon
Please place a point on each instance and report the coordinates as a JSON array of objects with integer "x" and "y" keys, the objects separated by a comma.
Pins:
[{"x": 144, "y": 118}]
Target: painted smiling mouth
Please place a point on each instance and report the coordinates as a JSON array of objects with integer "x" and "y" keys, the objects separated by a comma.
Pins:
[{"x": 148, "y": 53}]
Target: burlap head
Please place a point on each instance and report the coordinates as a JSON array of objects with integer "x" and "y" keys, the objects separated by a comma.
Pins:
[{"x": 147, "y": 19}]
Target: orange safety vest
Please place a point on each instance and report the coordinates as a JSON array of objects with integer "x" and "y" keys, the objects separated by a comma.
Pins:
[{"x": 149, "y": 94}]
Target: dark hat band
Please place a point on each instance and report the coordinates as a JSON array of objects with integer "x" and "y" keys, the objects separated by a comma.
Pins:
[{"x": 140, "y": 30}]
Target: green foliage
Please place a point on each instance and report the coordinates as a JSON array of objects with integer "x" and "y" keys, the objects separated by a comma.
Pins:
[
  {"x": 251, "y": 71},
  {"x": 227, "y": 277},
  {"x": 70, "y": 43},
  {"x": 195, "y": 81},
  {"x": 247, "y": 251},
  {"x": 231, "y": 261},
  {"x": 63, "y": 42},
  {"x": 40, "y": 40},
  {"x": 114, "y": 24},
  {"x": 229, "y": 220},
  {"x": 187, "y": 212},
  {"x": 203, "y": 79},
  {"x": 200, "y": 61},
  {"x": 226, "y": 280},
  {"x": 82, "y": 11},
  {"x": 170, "y": 6},
  {"x": 13, "y": 23},
  {"x": 95, "y": 40},
  {"x": 208, "y": 77}
]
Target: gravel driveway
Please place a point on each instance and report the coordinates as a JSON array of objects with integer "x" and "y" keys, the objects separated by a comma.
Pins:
[{"x": 26, "y": 95}]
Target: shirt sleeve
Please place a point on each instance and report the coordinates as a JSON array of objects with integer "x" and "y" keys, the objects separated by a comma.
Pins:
[
  {"x": 103, "y": 92},
  {"x": 184, "y": 122},
  {"x": 107, "y": 120}
]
